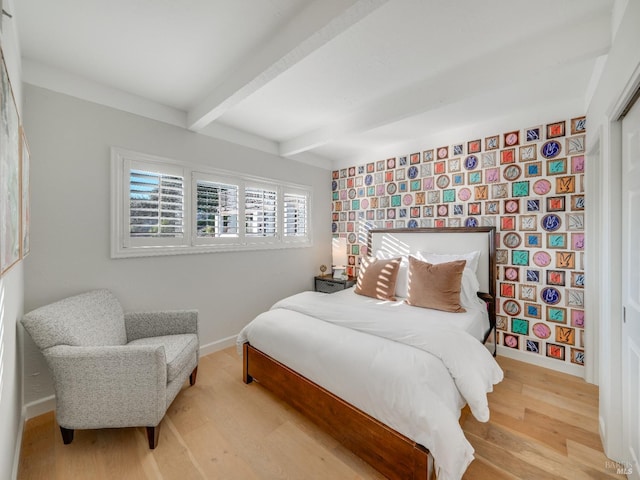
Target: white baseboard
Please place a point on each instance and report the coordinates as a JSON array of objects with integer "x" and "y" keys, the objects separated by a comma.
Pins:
[
  {"x": 18, "y": 446},
  {"x": 217, "y": 345},
  {"x": 541, "y": 361},
  {"x": 44, "y": 405}
]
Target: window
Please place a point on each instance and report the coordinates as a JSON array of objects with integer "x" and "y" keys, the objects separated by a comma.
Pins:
[
  {"x": 216, "y": 209},
  {"x": 151, "y": 212},
  {"x": 156, "y": 207},
  {"x": 260, "y": 212},
  {"x": 157, "y": 211},
  {"x": 295, "y": 215}
]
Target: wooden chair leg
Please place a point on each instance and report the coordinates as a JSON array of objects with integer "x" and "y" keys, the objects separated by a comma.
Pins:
[
  {"x": 192, "y": 377},
  {"x": 67, "y": 435},
  {"x": 153, "y": 433}
]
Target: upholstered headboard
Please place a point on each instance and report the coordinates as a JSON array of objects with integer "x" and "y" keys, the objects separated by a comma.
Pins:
[{"x": 442, "y": 240}]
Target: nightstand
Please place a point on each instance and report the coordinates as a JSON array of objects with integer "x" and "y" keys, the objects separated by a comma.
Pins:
[{"x": 328, "y": 284}]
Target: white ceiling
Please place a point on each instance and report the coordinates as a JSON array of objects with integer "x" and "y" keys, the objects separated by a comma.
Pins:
[{"x": 321, "y": 81}]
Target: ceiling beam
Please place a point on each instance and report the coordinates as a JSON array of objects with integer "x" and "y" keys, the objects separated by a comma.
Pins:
[
  {"x": 320, "y": 22},
  {"x": 511, "y": 63},
  {"x": 51, "y": 78}
]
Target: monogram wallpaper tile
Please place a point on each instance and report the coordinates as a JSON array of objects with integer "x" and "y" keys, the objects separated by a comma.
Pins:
[{"x": 529, "y": 184}]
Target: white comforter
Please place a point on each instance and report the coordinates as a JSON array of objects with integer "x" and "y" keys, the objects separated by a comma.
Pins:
[{"x": 417, "y": 383}]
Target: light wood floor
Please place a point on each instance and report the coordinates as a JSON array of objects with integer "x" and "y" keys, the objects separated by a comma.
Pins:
[{"x": 543, "y": 426}]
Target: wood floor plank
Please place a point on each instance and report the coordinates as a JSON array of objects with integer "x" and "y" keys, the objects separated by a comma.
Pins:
[
  {"x": 481, "y": 469},
  {"x": 532, "y": 451},
  {"x": 563, "y": 430},
  {"x": 528, "y": 429},
  {"x": 173, "y": 457},
  {"x": 592, "y": 457},
  {"x": 514, "y": 403},
  {"x": 114, "y": 445},
  {"x": 556, "y": 383},
  {"x": 37, "y": 457},
  {"x": 319, "y": 464},
  {"x": 543, "y": 425},
  {"x": 507, "y": 460},
  {"x": 82, "y": 455},
  {"x": 216, "y": 457},
  {"x": 503, "y": 401},
  {"x": 363, "y": 469},
  {"x": 540, "y": 392}
]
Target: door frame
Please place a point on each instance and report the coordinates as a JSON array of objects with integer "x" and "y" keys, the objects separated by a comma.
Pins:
[
  {"x": 604, "y": 270},
  {"x": 630, "y": 457}
]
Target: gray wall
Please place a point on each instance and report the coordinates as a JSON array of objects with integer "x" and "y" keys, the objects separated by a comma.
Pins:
[
  {"x": 70, "y": 143},
  {"x": 11, "y": 299}
]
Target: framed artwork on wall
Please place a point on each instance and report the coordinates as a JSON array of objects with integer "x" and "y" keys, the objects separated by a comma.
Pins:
[
  {"x": 555, "y": 351},
  {"x": 578, "y": 125},
  {"x": 555, "y": 130},
  {"x": 474, "y": 146},
  {"x": 533, "y": 134},
  {"x": 528, "y": 153},
  {"x": 492, "y": 143},
  {"x": 25, "y": 206},
  {"x": 575, "y": 144},
  {"x": 511, "y": 138},
  {"x": 10, "y": 238}
]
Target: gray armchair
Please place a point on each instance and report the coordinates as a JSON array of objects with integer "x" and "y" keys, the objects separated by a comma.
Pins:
[{"x": 112, "y": 369}]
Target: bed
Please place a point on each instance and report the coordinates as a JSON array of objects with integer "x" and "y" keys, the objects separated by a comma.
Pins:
[{"x": 386, "y": 378}]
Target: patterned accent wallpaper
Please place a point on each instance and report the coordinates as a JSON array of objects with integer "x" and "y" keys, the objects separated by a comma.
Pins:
[{"x": 529, "y": 184}]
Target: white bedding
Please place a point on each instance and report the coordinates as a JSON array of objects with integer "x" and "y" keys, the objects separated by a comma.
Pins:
[
  {"x": 416, "y": 383},
  {"x": 340, "y": 306}
]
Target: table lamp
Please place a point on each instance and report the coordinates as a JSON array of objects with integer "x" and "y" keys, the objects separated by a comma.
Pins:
[{"x": 339, "y": 254}]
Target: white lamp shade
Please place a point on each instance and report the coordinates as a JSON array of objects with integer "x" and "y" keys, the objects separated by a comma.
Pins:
[{"x": 339, "y": 251}]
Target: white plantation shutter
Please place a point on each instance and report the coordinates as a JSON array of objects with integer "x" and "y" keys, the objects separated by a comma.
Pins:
[
  {"x": 216, "y": 209},
  {"x": 156, "y": 205},
  {"x": 161, "y": 206},
  {"x": 260, "y": 210},
  {"x": 295, "y": 215}
]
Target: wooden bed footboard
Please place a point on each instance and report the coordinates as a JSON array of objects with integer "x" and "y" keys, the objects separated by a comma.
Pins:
[{"x": 392, "y": 454}]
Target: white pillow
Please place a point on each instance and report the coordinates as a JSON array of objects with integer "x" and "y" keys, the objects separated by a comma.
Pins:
[
  {"x": 472, "y": 258},
  {"x": 469, "y": 289},
  {"x": 470, "y": 286},
  {"x": 402, "y": 281}
]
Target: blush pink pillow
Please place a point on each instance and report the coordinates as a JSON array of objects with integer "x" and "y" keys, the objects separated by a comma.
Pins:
[
  {"x": 435, "y": 286},
  {"x": 377, "y": 278}
]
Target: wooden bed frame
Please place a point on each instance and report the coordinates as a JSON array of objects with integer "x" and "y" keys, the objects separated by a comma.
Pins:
[{"x": 389, "y": 452}]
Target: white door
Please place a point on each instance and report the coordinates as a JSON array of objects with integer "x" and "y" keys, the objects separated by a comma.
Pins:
[{"x": 631, "y": 291}]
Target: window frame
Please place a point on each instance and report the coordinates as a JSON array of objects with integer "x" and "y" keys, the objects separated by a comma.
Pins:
[
  {"x": 212, "y": 241},
  {"x": 125, "y": 246},
  {"x": 293, "y": 239},
  {"x": 153, "y": 167},
  {"x": 262, "y": 239}
]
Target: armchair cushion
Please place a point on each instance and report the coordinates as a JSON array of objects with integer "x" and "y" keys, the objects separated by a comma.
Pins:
[
  {"x": 72, "y": 321},
  {"x": 160, "y": 323},
  {"x": 180, "y": 351}
]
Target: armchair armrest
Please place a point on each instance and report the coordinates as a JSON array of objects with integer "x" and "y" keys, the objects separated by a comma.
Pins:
[
  {"x": 108, "y": 386},
  {"x": 156, "y": 324}
]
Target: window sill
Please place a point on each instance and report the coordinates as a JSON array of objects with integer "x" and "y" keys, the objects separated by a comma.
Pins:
[{"x": 134, "y": 252}]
